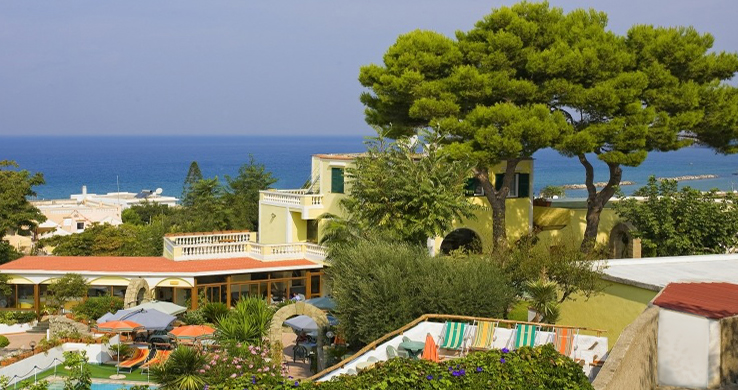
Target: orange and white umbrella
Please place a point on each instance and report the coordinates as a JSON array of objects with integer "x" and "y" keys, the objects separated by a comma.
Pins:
[
  {"x": 192, "y": 332},
  {"x": 119, "y": 326}
]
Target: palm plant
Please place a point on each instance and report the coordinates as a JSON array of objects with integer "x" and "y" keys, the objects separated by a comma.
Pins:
[
  {"x": 247, "y": 323},
  {"x": 544, "y": 300},
  {"x": 181, "y": 370}
]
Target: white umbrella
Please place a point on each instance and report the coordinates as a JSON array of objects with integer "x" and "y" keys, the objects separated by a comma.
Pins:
[
  {"x": 302, "y": 323},
  {"x": 163, "y": 306}
]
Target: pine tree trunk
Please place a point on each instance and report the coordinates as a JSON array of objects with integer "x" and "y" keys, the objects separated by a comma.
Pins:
[
  {"x": 596, "y": 201},
  {"x": 497, "y": 200}
]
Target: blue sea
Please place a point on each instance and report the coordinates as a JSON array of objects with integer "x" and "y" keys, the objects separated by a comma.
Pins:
[{"x": 103, "y": 163}]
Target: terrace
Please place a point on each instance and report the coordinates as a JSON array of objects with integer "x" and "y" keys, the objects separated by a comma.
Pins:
[{"x": 225, "y": 245}]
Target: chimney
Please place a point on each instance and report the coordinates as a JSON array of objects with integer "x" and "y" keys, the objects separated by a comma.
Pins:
[{"x": 84, "y": 191}]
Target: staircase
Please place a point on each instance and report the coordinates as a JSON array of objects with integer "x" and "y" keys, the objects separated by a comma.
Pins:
[{"x": 40, "y": 327}]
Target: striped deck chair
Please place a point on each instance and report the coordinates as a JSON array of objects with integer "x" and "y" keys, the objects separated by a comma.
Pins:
[
  {"x": 484, "y": 336},
  {"x": 138, "y": 358},
  {"x": 564, "y": 340},
  {"x": 453, "y": 337},
  {"x": 159, "y": 357},
  {"x": 525, "y": 335}
]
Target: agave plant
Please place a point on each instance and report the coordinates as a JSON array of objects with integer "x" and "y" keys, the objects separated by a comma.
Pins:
[
  {"x": 181, "y": 370},
  {"x": 247, "y": 323},
  {"x": 544, "y": 300}
]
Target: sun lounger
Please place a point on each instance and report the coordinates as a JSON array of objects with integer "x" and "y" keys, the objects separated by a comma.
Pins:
[
  {"x": 564, "y": 340},
  {"x": 159, "y": 357},
  {"x": 453, "y": 337},
  {"x": 138, "y": 358},
  {"x": 484, "y": 336},
  {"x": 525, "y": 335}
]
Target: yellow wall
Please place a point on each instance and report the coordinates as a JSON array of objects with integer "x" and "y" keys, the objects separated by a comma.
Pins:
[
  {"x": 272, "y": 224},
  {"x": 109, "y": 281},
  {"x": 299, "y": 227},
  {"x": 612, "y": 310},
  {"x": 574, "y": 229}
]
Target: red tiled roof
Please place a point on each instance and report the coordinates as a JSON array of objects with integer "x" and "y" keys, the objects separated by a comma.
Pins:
[
  {"x": 710, "y": 300},
  {"x": 142, "y": 264}
]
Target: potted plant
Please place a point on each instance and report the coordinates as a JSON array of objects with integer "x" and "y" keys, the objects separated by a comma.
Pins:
[{"x": 547, "y": 194}]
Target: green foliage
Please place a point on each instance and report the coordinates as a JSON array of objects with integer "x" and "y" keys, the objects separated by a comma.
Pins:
[
  {"x": 39, "y": 385},
  {"x": 523, "y": 369},
  {"x": 548, "y": 192},
  {"x": 399, "y": 192},
  {"x": 4, "y": 342},
  {"x": 146, "y": 213},
  {"x": 68, "y": 287},
  {"x": 380, "y": 286},
  {"x": 194, "y": 175},
  {"x": 214, "y": 311},
  {"x": 544, "y": 300},
  {"x": 16, "y": 317},
  {"x": 80, "y": 377},
  {"x": 248, "y": 323},
  {"x": 16, "y": 213},
  {"x": 181, "y": 371},
  {"x": 243, "y": 194},
  {"x": 674, "y": 222},
  {"x": 193, "y": 317},
  {"x": 95, "y": 307},
  {"x": 109, "y": 240},
  {"x": 206, "y": 209},
  {"x": 559, "y": 261}
]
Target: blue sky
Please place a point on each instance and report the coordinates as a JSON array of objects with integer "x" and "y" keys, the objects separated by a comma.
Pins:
[{"x": 237, "y": 67}]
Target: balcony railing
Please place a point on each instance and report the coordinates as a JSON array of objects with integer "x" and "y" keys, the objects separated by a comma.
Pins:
[
  {"x": 300, "y": 198},
  {"x": 234, "y": 245}
]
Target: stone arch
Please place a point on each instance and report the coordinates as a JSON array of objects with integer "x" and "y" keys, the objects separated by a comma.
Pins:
[
  {"x": 137, "y": 292},
  {"x": 622, "y": 244},
  {"x": 295, "y": 309},
  {"x": 462, "y": 238}
]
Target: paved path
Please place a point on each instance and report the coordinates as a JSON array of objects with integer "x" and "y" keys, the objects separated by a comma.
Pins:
[
  {"x": 295, "y": 369},
  {"x": 22, "y": 340}
]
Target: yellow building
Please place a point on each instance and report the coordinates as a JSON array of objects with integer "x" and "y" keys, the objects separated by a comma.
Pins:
[{"x": 292, "y": 216}]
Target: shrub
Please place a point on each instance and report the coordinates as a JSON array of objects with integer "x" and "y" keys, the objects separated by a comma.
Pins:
[
  {"x": 193, "y": 317},
  {"x": 4, "y": 342},
  {"x": 380, "y": 286},
  {"x": 526, "y": 368},
  {"x": 214, "y": 311},
  {"x": 16, "y": 317},
  {"x": 95, "y": 307},
  {"x": 247, "y": 323}
]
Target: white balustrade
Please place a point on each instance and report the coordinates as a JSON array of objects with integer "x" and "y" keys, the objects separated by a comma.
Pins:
[
  {"x": 293, "y": 198},
  {"x": 234, "y": 245}
]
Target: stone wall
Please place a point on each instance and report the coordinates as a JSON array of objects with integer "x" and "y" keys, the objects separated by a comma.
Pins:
[
  {"x": 631, "y": 364},
  {"x": 729, "y": 350},
  {"x": 61, "y": 325}
]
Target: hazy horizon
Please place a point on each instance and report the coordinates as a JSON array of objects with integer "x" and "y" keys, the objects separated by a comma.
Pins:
[{"x": 228, "y": 68}]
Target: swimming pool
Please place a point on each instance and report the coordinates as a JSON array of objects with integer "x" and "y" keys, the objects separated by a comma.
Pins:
[{"x": 57, "y": 385}]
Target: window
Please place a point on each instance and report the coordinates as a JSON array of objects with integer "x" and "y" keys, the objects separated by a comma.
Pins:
[
  {"x": 80, "y": 226},
  {"x": 337, "y": 180},
  {"x": 473, "y": 187},
  {"x": 520, "y": 187}
]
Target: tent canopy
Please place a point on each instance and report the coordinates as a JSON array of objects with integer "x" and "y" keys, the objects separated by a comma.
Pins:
[
  {"x": 302, "y": 323},
  {"x": 163, "y": 306},
  {"x": 151, "y": 319},
  {"x": 323, "y": 303}
]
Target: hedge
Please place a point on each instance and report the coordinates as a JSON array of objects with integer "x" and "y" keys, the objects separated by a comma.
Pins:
[{"x": 16, "y": 317}]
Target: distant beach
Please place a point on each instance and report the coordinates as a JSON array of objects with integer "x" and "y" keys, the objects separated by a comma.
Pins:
[{"x": 153, "y": 162}]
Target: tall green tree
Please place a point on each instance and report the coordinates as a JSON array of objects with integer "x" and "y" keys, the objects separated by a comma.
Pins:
[
  {"x": 242, "y": 194},
  {"x": 65, "y": 289},
  {"x": 194, "y": 175},
  {"x": 208, "y": 210},
  {"x": 623, "y": 96},
  {"x": 17, "y": 214},
  {"x": 674, "y": 222},
  {"x": 406, "y": 191}
]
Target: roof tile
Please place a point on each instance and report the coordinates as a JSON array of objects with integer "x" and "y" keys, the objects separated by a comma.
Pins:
[{"x": 710, "y": 300}]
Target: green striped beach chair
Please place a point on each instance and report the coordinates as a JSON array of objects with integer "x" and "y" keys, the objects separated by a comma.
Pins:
[
  {"x": 525, "y": 335},
  {"x": 453, "y": 337}
]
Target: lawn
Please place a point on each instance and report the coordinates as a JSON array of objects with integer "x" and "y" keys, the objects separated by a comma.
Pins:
[
  {"x": 98, "y": 371},
  {"x": 519, "y": 312}
]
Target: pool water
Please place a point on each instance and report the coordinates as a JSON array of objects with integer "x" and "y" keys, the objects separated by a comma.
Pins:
[{"x": 97, "y": 386}]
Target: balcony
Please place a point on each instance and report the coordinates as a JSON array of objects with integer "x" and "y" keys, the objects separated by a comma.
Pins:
[
  {"x": 301, "y": 200},
  {"x": 228, "y": 245}
]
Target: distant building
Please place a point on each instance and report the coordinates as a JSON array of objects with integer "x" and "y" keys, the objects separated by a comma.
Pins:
[{"x": 126, "y": 199}]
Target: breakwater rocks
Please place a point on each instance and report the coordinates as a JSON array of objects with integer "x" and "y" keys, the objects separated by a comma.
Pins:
[
  {"x": 598, "y": 184},
  {"x": 630, "y": 183}
]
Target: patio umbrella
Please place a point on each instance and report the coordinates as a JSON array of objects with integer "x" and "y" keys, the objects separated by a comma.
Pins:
[
  {"x": 192, "y": 332},
  {"x": 322, "y": 303},
  {"x": 430, "y": 352},
  {"x": 119, "y": 327},
  {"x": 302, "y": 323},
  {"x": 151, "y": 319},
  {"x": 163, "y": 306}
]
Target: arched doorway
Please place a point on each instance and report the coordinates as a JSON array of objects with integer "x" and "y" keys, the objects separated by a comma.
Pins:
[
  {"x": 137, "y": 293},
  {"x": 295, "y": 309},
  {"x": 462, "y": 238},
  {"x": 622, "y": 245}
]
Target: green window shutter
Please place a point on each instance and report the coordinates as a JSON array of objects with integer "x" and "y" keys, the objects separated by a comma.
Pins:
[
  {"x": 523, "y": 185},
  {"x": 499, "y": 177},
  {"x": 337, "y": 180},
  {"x": 471, "y": 186}
]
